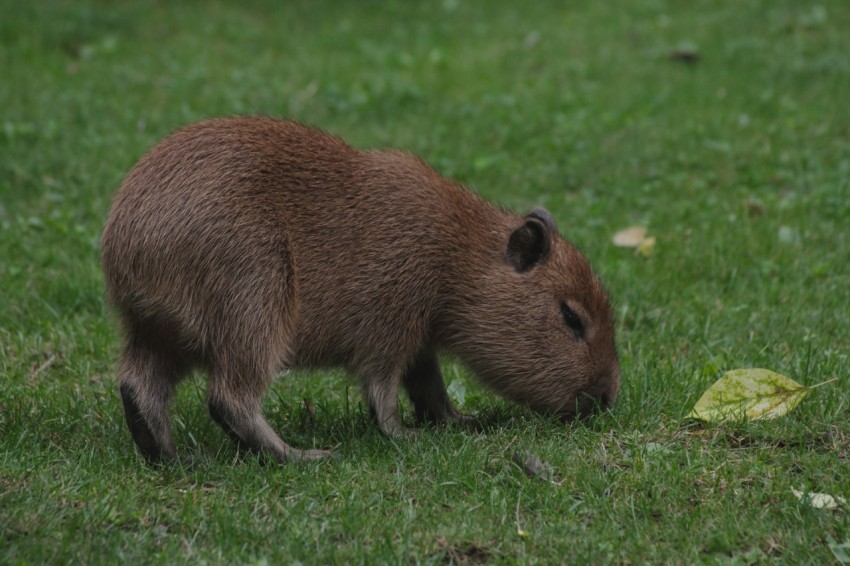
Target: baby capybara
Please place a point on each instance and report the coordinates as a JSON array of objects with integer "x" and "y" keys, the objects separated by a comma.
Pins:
[{"x": 249, "y": 245}]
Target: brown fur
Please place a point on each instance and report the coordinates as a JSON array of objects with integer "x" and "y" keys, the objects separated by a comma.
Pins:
[{"x": 245, "y": 245}]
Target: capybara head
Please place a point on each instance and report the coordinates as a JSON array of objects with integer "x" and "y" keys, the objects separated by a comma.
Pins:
[{"x": 544, "y": 327}]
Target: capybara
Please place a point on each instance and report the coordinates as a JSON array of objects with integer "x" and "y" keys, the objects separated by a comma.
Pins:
[{"x": 246, "y": 246}]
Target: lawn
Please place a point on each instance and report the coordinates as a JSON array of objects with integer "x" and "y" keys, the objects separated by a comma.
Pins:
[{"x": 724, "y": 128}]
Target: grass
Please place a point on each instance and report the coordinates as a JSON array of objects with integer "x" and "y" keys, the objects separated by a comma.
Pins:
[{"x": 739, "y": 164}]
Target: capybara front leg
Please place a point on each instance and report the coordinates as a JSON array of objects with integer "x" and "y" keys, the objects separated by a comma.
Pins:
[
  {"x": 382, "y": 397},
  {"x": 427, "y": 390}
]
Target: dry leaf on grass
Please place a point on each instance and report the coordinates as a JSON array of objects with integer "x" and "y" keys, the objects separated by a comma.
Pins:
[
  {"x": 533, "y": 466},
  {"x": 635, "y": 237},
  {"x": 819, "y": 500},
  {"x": 629, "y": 237}
]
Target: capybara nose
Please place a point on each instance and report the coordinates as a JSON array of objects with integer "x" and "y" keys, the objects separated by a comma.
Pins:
[
  {"x": 609, "y": 396},
  {"x": 607, "y": 388}
]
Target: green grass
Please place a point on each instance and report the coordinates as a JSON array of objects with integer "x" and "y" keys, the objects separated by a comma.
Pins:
[{"x": 739, "y": 164}]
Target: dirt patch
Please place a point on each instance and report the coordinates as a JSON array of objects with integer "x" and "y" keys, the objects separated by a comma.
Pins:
[{"x": 465, "y": 553}]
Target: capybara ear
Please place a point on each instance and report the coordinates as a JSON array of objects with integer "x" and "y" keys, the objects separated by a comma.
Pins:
[
  {"x": 529, "y": 244},
  {"x": 545, "y": 216}
]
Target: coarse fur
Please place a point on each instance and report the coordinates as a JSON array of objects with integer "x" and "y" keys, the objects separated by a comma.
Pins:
[{"x": 247, "y": 245}]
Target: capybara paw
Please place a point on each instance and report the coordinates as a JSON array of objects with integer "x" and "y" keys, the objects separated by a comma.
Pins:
[{"x": 306, "y": 455}]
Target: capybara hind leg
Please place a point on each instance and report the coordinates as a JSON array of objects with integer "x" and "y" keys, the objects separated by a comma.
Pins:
[
  {"x": 147, "y": 382},
  {"x": 427, "y": 390},
  {"x": 239, "y": 414}
]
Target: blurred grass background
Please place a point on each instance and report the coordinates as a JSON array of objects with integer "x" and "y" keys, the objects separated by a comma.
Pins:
[{"x": 723, "y": 128}]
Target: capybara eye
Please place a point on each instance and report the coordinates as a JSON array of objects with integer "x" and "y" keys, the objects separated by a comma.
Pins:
[{"x": 572, "y": 320}]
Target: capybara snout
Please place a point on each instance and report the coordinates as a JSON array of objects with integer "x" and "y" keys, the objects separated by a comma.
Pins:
[{"x": 246, "y": 245}]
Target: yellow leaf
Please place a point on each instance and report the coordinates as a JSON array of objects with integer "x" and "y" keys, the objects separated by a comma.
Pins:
[
  {"x": 630, "y": 237},
  {"x": 645, "y": 247},
  {"x": 748, "y": 394},
  {"x": 522, "y": 533}
]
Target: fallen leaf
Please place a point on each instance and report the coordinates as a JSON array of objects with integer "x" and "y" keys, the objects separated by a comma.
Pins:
[
  {"x": 629, "y": 237},
  {"x": 646, "y": 246},
  {"x": 819, "y": 500},
  {"x": 635, "y": 237},
  {"x": 533, "y": 466},
  {"x": 522, "y": 533},
  {"x": 748, "y": 394}
]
